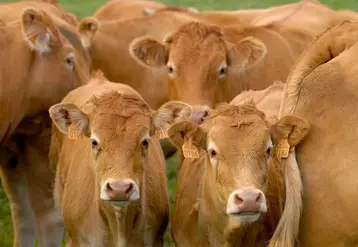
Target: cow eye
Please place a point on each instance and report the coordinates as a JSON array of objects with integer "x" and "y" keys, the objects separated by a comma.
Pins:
[
  {"x": 268, "y": 151},
  {"x": 170, "y": 69},
  {"x": 212, "y": 153},
  {"x": 222, "y": 72},
  {"x": 145, "y": 144},
  {"x": 69, "y": 61},
  {"x": 94, "y": 145}
]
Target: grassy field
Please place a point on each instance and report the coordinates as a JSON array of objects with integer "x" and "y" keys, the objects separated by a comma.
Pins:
[{"x": 84, "y": 8}]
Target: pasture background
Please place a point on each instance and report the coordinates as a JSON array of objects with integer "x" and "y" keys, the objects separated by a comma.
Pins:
[{"x": 84, "y": 8}]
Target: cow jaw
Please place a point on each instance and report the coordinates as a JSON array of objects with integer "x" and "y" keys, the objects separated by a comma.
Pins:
[
  {"x": 246, "y": 205},
  {"x": 120, "y": 193}
]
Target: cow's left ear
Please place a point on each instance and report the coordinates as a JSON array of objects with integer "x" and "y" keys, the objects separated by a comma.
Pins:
[
  {"x": 70, "y": 120},
  {"x": 39, "y": 30},
  {"x": 246, "y": 53},
  {"x": 166, "y": 115},
  {"x": 287, "y": 133}
]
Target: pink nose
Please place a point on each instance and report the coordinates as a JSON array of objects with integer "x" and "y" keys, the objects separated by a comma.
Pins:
[
  {"x": 120, "y": 191},
  {"x": 249, "y": 200},
  {"x": 199, "y": 113}
]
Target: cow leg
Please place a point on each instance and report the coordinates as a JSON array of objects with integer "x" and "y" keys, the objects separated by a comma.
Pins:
[
  {"x": 49, "y": 224},
  {"x": 13, "y": 177}
]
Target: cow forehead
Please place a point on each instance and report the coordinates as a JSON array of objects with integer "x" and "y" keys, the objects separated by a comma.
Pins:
[
  {"x": 229, "y": 133},
  {"x": 110, "y": 126}
]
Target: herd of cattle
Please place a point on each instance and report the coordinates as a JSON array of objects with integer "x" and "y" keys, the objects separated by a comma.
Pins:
[{"x": 83, "y": 154}]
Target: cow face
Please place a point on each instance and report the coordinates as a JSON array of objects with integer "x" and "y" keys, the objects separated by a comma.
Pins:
[
  {"x": 238, "y": 145},
  {"x": 118, "y": 132},
  {"x": 59, "y": 62},
  {"x": 198, "y": 60}
]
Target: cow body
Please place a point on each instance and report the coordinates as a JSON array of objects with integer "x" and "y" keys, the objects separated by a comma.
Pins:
[
  {"x": 267, "y": 100},
  {"x": 49, "y": 67},
  {"x": 322, "y": 88}
]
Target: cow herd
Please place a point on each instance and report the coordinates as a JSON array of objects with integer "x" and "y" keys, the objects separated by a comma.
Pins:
[{"x": 259, "y": 103}]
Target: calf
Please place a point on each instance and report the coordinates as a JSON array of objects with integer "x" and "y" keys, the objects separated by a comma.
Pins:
[
  {"x": 110, "y": 179},
  {"x": 230, "y": 188}
]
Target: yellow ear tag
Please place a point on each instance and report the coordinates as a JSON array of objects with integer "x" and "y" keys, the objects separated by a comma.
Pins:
[
  {"x": 190, "y": 150},
  {"x": 283, "y": 149},
  {"x": 73, "y": 132},
  {"x": 161, "y": 133}
]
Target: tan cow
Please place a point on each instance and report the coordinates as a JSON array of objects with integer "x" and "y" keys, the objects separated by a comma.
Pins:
[
  {"x": 111, "y": 182},
  {"x": 50, "y": 66},
  {"x": 322, "y": 88},
  {"x": 267, "y": 100},
  {"x": 207, "y": 64},
  {"x": 125, "y": 10},
  {"x": 230, "y": 188}
]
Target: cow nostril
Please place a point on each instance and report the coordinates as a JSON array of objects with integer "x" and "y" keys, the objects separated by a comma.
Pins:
[
  {"x": 206, "y": 113},
  {"x": 258, "y": 197},
  {"x": 108, "y": 187},
  {"x": 129, "y": 189},
  {"x": 238, "y": 199}
]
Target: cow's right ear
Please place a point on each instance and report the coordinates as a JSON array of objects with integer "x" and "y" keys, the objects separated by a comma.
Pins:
[
  {"x": 188, "y": 137},
  {"x": 70, "y": 120},
  {"x": 149, "y": 52},
  {"x": 88, "y": 28},
  {"x": 39, "y": 30}
]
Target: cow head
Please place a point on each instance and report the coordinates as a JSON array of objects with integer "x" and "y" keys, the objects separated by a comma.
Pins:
[
  {"x": 118, "y": 131},
  {"x": 238, "y": 144},
  {"x": 198, "y": 59},
  {"x": 59, "y": 63}
]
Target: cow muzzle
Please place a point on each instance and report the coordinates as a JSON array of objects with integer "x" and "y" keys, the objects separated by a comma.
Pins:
[
  {"x": 120, "y": 192},
  {"x": 246, "y": 205}
]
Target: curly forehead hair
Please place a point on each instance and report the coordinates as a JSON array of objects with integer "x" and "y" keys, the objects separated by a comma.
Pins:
[{"x": 121, "y": 104}]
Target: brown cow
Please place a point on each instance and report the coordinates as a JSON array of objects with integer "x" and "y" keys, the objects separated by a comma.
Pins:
[
  {"x": 208, "y": 65},
  {"x": 110, "y": 182},
  {"x": 50, "y": 66},
  {"x": 322, "y": 88},
  {"x": 125, "y": 10},
  {"x": 230, "y": 188}
]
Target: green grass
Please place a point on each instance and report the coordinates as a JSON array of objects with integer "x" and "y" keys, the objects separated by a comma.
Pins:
[{"x": 87, "y": 7}]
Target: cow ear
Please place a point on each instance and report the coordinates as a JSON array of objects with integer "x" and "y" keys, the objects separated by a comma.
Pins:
[
  {"x": 188, "y": 137},
  {"x": 88, "y": 28},
  {"x": 70, "y": 120},
  {"x": 246, "y": 53},
  {"x": 287, "y": 133},
  {"x": 149, "y": 52},
  {"x": 39, "y": 30},
  {"x": 168, "y": 114}
]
